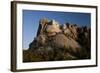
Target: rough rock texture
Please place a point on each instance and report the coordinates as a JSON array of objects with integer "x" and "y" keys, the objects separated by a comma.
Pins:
[{"x": 60, "y": 42}]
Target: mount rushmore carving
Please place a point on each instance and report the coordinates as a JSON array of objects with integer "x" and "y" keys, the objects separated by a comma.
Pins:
[{"x": 59, "y": 42}]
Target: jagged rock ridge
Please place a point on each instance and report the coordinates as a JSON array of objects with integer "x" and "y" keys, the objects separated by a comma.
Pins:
[{"x": 64, "y": 42}]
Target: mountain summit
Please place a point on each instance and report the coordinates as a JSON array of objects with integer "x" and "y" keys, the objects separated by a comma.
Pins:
[{"x": 59, "y": 42}]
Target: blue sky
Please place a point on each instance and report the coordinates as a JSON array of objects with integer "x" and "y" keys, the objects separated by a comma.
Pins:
[{"x": 31, "y": 22}]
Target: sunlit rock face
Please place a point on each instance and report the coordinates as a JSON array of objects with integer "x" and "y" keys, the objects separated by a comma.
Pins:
[{"x": 69, "y": 41}]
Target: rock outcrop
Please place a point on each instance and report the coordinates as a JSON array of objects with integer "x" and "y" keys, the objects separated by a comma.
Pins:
[{"x": 65, "y": 42}]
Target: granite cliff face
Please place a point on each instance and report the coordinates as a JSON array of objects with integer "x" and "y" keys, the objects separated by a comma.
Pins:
[{"x": 59, "y": 42}]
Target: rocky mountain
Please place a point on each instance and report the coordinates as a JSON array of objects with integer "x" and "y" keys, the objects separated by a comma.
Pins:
[{"x": 59, "y": 42}]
